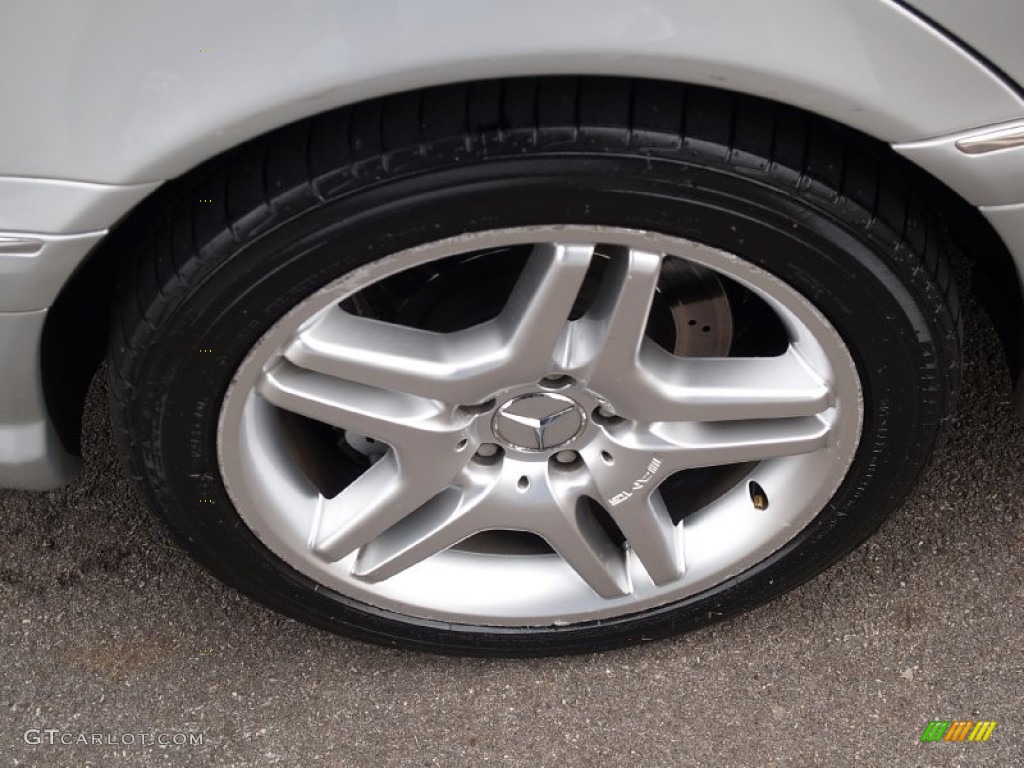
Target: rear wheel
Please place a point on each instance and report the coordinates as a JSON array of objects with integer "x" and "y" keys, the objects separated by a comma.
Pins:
[{"x": 562, "y": 366}]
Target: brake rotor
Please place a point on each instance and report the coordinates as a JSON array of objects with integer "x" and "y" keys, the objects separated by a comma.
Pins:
[{"x": 699, "y": 308}]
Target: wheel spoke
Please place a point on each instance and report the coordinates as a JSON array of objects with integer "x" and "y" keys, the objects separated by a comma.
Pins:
[
  {"x": 490, "y": 500},
  {"x": 391, "y": 417},
  {"x": 537, "y": 313},
  {"x": 422, "y": 461},
  {"x": 693, "y": 445},
  {"x": 588, "y": 550},
  {"x": 666, "y": 388},
  {"x": 442, "y": 522},
  {"x": 385, "y": 494},
  {"x": 460, "y": 367},
  {"x": 607, "y": 339},
  {"x": 444, "y": 366},
  {"x": 581, "y": 541},
  {"x": 654, "y": 539},
  {"x": 627, "y": 489}
]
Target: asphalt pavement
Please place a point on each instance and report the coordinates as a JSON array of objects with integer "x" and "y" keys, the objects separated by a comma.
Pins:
[{"x": 109, "y": 633}]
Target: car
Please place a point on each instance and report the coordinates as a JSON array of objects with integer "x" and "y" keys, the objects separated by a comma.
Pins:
[{"x": 505, "y": 328}]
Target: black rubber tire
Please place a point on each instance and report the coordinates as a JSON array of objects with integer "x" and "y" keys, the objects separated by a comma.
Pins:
[{"x": 820, "y": 206}]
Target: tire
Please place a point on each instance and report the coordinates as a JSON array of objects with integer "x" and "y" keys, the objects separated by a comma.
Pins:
[{"x": 801, "y": 235}]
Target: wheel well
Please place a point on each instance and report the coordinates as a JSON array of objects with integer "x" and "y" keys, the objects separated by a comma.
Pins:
[{"x": 77, "y": 326}]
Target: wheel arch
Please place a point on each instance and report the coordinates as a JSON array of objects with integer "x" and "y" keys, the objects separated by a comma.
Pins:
[
  {"x": 76, "y": 328},
  {"x": 184, "y": 81}
]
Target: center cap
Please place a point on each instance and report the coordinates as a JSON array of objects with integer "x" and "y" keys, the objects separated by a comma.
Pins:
[{"x": 539, "y": 421}]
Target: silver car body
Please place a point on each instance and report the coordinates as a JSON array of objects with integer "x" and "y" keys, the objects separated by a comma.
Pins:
[{"x": 104, "y": 100}]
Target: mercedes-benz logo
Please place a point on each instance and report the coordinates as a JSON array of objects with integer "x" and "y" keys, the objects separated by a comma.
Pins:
[{"x": 539, "y": 421}]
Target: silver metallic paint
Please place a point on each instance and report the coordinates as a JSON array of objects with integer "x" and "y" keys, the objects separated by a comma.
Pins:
[
  {"x": 32, "y": 280},
  {"x": 992, "y": 27},
  {"x": 62, "y": 207},
  {"x": 31, "y": 454},
  {"x": 988, "y": 178},
  {"x": 123, "y": 91},
  {"x": 120, "y": 95}
]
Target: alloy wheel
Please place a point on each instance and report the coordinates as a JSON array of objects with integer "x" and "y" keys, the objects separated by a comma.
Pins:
[{"x": 515, "y": 471}]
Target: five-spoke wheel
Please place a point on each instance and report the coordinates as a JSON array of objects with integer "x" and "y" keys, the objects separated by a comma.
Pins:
[{"x": 557, "y": 417}]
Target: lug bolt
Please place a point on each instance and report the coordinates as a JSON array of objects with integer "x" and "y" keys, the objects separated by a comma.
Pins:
[
  {"x": 566, "y": 457},
  {"x": 486, "y": 450},
  {"x": 556, "y": 381},
  {"x": 606, "y": 411}
]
